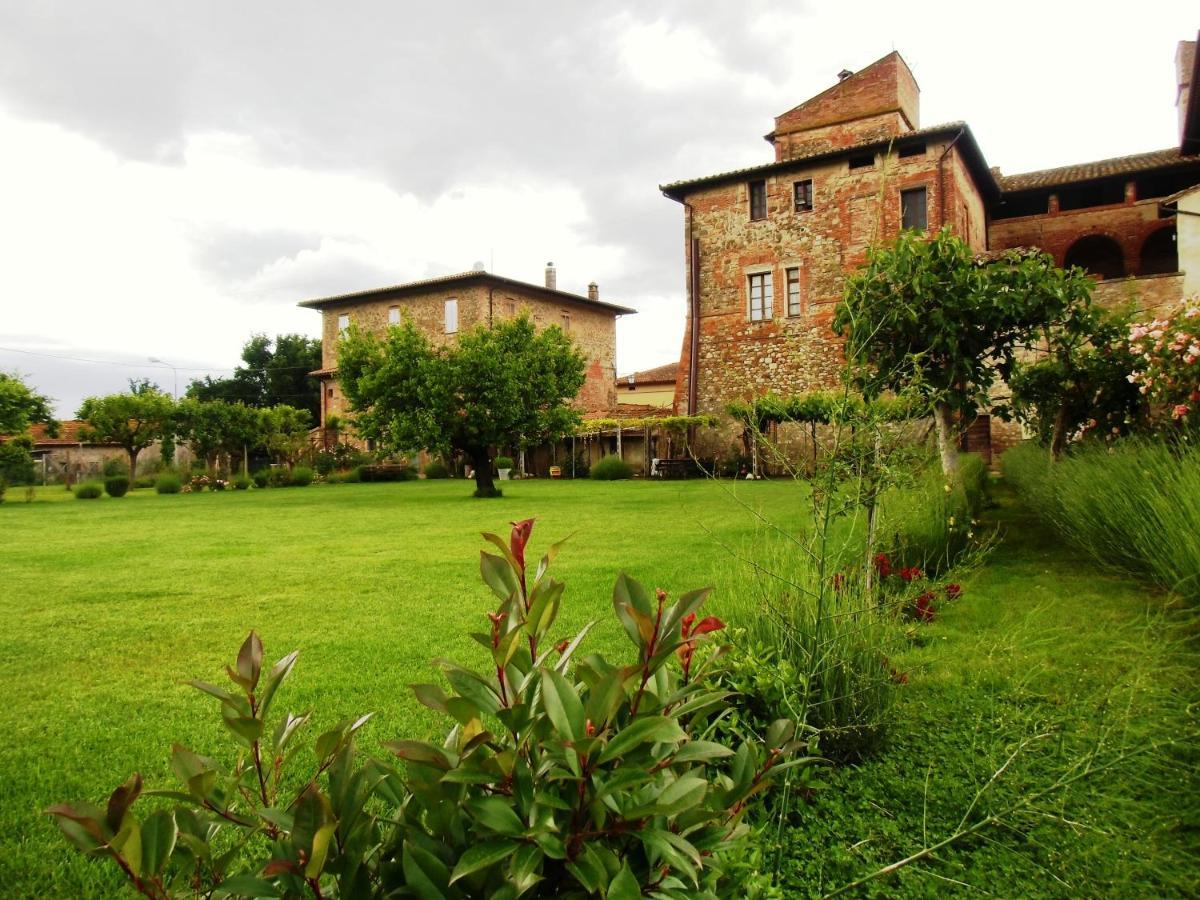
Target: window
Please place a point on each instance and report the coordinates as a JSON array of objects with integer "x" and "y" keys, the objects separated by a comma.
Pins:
[
  {"x": 393, "y": 315},
  {"x": 914, "y": 209},
  {"x": 343, "y": 322},
  {"x": 911, "y": 150},
  {"x": 862, "y": 161},
  {"x": 566, "y": 321},
  {"x": 804, "y": 195},
  {"x": 451, "y": 316},
  {"x": 793, "y": 292},
  {"x": 762, "y": 297},
  {"x": 510, "y": 307},
  {"x": 758, "y": 200},
  {"x": 329, "y": 393}
]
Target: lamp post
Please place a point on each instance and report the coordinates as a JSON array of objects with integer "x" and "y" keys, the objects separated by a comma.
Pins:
[{"x": 174, "y": 373}]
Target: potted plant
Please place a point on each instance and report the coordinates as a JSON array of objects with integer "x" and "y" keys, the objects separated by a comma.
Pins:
[{"x": 504, "y": 466}]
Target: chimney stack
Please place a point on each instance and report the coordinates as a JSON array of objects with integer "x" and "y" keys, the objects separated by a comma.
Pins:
[
  {"x": 593, "y": 291},
  {"x": 844, "y": 74},
  {"x": 551, "y": 277},
  {"x": 1185, "y": 62}
]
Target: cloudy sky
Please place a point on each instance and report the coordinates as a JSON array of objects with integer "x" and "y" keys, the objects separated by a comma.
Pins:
[{"x": 177, "y": 175}]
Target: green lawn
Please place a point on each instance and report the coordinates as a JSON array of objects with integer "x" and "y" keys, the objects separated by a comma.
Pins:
[{"x": 110, "y": 604}]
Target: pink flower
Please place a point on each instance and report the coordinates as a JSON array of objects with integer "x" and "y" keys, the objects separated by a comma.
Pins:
[{"x": 1180, "y": 411}]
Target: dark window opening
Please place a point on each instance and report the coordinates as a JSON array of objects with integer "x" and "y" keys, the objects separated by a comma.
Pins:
[
  {"x": 862, "y": 161},
  {"x": 914, "y": 209},
  {"x": 1097, "y": 254},
  {"x": 758, "y": 200},
  {"x": 1160, "y": 253},
  {"x": 1082, "y": 196},
  {"x": 912, "y": 150},
  {"x": 1014, "y": 205},
  {"x": 804, "y": 195},
  {"x": 1163, "y": 184}
]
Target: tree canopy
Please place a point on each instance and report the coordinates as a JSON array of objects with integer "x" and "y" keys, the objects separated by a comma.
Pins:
[
  {"x": 275, "y": 372},
  {"x": 926, "y": 314},
  {"x": 21, "y": 406},
  {"x": 509, "y": 384},
  {"x": 134, "y": 420}
]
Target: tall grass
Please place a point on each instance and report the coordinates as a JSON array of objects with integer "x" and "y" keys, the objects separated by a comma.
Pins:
[{"x": 1134, "y": 507}]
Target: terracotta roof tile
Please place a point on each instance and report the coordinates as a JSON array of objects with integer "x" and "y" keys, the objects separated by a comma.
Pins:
[
  {"x": 659, "y": 375},
  {"x": 68, "y": 435},
  {"x": 1118, "y": 165}
]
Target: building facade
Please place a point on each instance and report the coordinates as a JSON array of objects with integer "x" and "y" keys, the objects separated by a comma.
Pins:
[
  {"x": 653, "y": 388},
  {"x": 767, "y": 249},
  {"x": 443, "y": 307}
]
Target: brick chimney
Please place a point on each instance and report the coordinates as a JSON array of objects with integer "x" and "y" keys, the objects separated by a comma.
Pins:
[
  {"x": 551, "y": 277},
  {"x": 593, "y": 291}
]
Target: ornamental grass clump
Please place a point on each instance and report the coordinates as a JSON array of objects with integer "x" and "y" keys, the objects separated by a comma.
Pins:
[{"x": 561, "y": 775}]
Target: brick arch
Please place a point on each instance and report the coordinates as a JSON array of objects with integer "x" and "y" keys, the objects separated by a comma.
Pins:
[
  {"x": 1159, "y": 254},
  {"x": 1097, "y": 254}
]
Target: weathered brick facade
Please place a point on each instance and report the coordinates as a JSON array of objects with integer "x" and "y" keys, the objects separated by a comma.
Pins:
[
  {"x": 479, "y": 298},
  {"x": 843, "y": 161}
]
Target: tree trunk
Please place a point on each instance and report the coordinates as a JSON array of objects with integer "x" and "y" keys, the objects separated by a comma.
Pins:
[
  {"x": 485, "y": 486},
  {"x": 133, "y": 455},
  {"x": 946, "y": 445},
  {"x": 1058, "y": 438}
]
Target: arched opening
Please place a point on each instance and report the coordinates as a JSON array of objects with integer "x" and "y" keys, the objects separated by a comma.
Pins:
[
  {"x": 1097, "y": 254},
  {"x": 1160, "y": 255}
]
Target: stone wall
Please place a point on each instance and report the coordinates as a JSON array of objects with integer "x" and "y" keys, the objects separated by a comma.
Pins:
[
  {"x": 593, "y": 329},
  {"x": 1152, "y": 294}
]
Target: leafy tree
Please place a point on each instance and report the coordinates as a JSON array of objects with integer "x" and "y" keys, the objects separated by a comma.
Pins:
[
  {"x": 283, "y": 431},
  {"x": 927, "y": 314},
  {"x": 134, "y": 420},
  {"x": 275, "y": 372},
  {"x": 507, "y": 384},
  {"x": 1079, "y": 383},
  {"x": 21, "y": 407}
]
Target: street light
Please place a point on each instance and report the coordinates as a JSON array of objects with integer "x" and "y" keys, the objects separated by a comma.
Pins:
[{"x": 174, "y": 373}]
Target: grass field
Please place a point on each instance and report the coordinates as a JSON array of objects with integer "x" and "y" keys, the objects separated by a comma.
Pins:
[{"x": 110, "y": 604}]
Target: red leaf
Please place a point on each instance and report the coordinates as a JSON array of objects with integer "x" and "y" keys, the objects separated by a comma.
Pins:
[
  {"x": 712, "y": 623},
  {"x": 520, "y": 537}
]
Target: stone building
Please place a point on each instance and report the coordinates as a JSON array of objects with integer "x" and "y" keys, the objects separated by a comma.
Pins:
[
  {"x": 767, "y": 249},
  {"x": 442, "y": 307}
]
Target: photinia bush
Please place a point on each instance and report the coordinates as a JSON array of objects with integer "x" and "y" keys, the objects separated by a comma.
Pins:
[{"x": 560, "y": 777}]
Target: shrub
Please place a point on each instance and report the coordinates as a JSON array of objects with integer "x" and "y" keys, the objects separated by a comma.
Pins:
[
  {"x": 435, "y": 469},
  {"x": 89, "y": 490},
  {"x": 302, "y": 476},
  {"x": 261, "y": 478},
  {"x": 3, "y": 490},
  {"x": 278, "y": 476},
  {"x": 579, "y": 778},
  {"x": 144, "y": 481},
  {"x": 324, "y": 463},
  {"x": 241, "y": 483},
  {"x": 354, "y": 476},
  {"x": 387, "y": 472},
  {"x": 16, "y": 461},
  {"x": 1131, "y": 507},
  {"x": 116, "y": 485},
  {"x": 168, "y": 483},
  {"x": 611, "y": 468},
  {"x": 504, "y": 462},
  {"x": 115, "y": 466}
]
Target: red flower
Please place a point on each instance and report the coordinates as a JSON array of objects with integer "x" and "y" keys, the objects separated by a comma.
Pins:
[
  {"x": 924, "y": 608},
  {"x": 883, "y": 565},
  {"x": 953, "y": 591},
  {"x": 520, "y": 537},
  {"x": 912, "y": 573}
]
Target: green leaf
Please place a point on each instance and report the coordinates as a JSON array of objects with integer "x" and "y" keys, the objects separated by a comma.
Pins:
[
  {"x": 249, "y": 730},
  {"x": 627, "y": 590},
  {"x": 286, "y": 730},
  {"x": 424, "y": 873},
  {"x": 158, "y": 840},
  {"x": 248, "y": 886},
  {"x": 128, "y": 843},
  {"x": 499, "y": 575},
  {"x": 249, "y": 662},
  {"x": 562, "y": 705},
  {"x": 502, "y": 545},
  {"x": 693, "y": 751},
  {"x": 684, "y": 793},
  {"x": 278, "y": 674},
  {"x": 430, "y": 695},
  {"x": 238, "y": 703},
  {"x": 650, "y": 729},
  {"x": 481, "y": 856},
  {"x": 624, "y": 886},
  {"x": 320, "y": 850},
  {"x": 120, "y": 801},
  {"x": 421, "y": 752},
  {"x": 498, "y": 815}
]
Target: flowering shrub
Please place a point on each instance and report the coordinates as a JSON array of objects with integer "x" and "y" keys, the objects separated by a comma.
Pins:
[
  {"x": 557, "y": 778},
  {"x": 1168, "y": 372}
]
